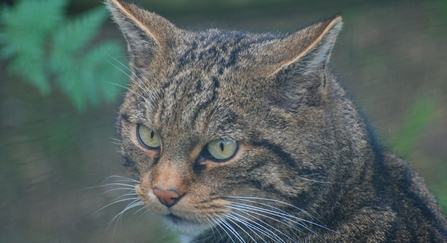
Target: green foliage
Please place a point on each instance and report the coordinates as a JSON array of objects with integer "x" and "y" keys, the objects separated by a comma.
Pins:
[
  {"x": 421, "y": 115},
  {"x": 441, "y": 194},
  {"x": 46, "y": 49}
]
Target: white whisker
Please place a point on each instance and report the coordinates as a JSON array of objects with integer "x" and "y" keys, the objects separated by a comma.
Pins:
[
  {"x": 232, "y": 219},
  {"x": 114, "y": 184},
  {"x": 271, "y": 235},
  {"x": 115, "y": 202},
  {"x": 121, "y": 178},
  {"x": 232, "y": 230},
  {"x": 218, "y": 223},
  {"x": 251, "y": 212},
  {"x": 121, "y": 189},
  {"x": 141, "y": 82},
  {"x": 139, "y": 210},
  {"x": 128, "y": 89},
  {"x": 281, "y": 215},
  {"x": 211, "y": 221},
  {"x": 252, "y": 200},
  {"x": 132, "y": 204}
]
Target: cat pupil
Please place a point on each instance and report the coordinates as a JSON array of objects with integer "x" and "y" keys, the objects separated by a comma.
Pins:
[
  {"x": 221, "y": 146},
  {"x": 152, "y": 134}
]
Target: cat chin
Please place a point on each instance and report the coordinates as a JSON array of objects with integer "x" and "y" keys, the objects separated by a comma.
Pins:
[{"x": 185, "y": 228}]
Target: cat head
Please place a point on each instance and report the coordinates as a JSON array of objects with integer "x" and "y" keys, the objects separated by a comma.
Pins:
[{"x": 215, "y": 122}]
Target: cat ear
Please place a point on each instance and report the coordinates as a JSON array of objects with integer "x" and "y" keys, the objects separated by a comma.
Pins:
[
  {"x": 299, "y": 65},
  {"x": 308, "y": 50},
  {"x": 148, "y": 35}
]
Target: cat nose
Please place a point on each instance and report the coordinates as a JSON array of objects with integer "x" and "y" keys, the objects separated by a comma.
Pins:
[{"x": 167, "y": 198}]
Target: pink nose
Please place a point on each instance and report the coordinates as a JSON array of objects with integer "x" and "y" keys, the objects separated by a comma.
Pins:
[{"x": 167, "y": 198}]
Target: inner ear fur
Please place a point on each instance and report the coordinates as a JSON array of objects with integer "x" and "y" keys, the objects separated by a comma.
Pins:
[
  {"x": 308, "y": 50},
  {"x": 301, "y": 75}
]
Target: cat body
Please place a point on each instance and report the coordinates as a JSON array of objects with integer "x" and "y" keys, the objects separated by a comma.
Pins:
[{"x": 241, "y": 137}]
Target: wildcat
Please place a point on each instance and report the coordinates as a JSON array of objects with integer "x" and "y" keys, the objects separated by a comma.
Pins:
[{"x": 241, "y": 137}]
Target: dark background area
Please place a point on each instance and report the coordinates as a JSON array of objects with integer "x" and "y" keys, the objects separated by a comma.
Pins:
[{"x": 391, "y": 57}]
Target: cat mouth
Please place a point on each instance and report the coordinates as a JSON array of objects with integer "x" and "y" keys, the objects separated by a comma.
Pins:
[{"x": 176, "y": 220}]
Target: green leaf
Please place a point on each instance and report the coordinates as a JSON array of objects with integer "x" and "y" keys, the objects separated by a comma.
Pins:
[
  {"x": 88, "y": 81},
  {"x": 84, "y": 76},
  {"x": 36, "y": 16},
  {"x": 76, "y": 79},
  {"x": 29, "y": 65},
  {"x": 26, "y": 27},
  {"x": 73, "y": 36},
  {"x": 95, "y": 82}
]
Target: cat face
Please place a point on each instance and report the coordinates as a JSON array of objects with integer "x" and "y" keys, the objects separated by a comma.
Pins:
[{"x": 216, "y": 124}]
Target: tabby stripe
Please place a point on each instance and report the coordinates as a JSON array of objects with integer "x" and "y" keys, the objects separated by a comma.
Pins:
[
  {"x": 205, "y": 104},
  {"x": 277, "y": 150}
]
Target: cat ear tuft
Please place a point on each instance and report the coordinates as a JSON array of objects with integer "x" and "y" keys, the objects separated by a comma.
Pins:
[
  {"x": 309, "y": 50},
  {"x": 146, "y": 33}
]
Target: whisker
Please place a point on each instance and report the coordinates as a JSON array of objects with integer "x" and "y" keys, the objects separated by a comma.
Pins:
[
  {"x": 218, "y": 223},
  {"x": 250, "y": 212},
  {"x": 210, "y": 220},
  {"x": 231, "y": 218},
  {"x": 127, "y": 68},
  {"x": 251, "y": 199},
  {"x": 120, "y": 177},
  {"x": 281, "y": 215},
  {"x": 130, "y": 186},
  {"x": 271, "y": 234},
  {"x": 128, "y": 89},
  {"x": 259, "y": 211},
  {"x": 132, "y": 204},
  {"x": 115, "y": 202},
  {"x": 139, "y": 210},
  {"x": 116, "y": 141},
  {"x": 232, "y": 230},
  {"x": 141, "y": 84},
  {"x": 120, "y": 189},
  {"x": 301, "y": 219}
]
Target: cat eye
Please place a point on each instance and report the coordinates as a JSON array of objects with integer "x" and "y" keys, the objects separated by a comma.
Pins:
[
  {"x": 147, "y": 137},
  {"x": 221, "y": 150}
]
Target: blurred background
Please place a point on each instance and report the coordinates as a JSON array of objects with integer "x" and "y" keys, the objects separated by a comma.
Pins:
[{"x": 61, "y": 81}]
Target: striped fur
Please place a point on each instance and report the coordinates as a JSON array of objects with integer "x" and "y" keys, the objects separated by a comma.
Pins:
[{"x": 307, "y": 168}]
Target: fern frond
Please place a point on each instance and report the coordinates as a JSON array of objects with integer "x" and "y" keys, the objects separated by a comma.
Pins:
[
  {"x": 75, "y": 34},
  {"x": 88, "y": 81},
  {"x": 25, "y": 28},
  {"x": 36, "y": 16},
  {"x": 83, "y": 75}
]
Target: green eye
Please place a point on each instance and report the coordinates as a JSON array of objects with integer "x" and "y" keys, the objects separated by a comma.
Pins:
[
  {"x": 221, "y": 150},
  {"x": 147, "y": 137}
]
